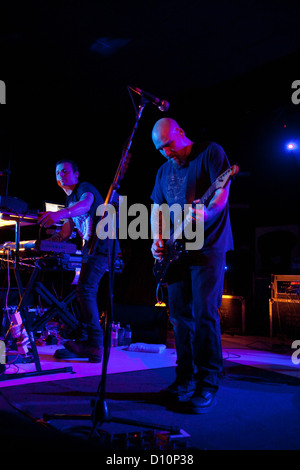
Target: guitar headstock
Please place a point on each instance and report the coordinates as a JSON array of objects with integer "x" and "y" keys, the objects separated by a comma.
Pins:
[
  {"x": 234, "y": 170},
  {"x": 223, "y": 179}
]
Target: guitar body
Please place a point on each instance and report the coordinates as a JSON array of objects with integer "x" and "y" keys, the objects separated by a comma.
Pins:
[{"x": 172, "y": 253}]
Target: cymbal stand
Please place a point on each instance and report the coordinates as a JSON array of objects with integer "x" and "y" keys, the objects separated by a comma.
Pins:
[{"x": 100, "y": 412}]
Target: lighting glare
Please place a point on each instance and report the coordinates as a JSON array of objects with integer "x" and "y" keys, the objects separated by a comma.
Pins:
[{"x": 291, "y": 146}]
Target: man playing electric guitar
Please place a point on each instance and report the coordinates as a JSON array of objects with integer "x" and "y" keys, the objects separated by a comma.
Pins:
[{"x": 195, "y": 280}]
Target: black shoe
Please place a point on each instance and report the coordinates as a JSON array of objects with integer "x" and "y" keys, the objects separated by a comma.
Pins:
[
  {"x": 201, "y": 402},
  {"x": 63, "y": 353},
  {"x": 84, "y": 350},
  {"x": 179, "y": 391},
  {"x": 77, "y": 334}
]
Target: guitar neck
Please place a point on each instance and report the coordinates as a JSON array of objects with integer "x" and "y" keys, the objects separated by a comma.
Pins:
[
  {"x": 206, "y": 196},
  {"x": 181, "y": 228},
  {"x": 220, "y": 182}
]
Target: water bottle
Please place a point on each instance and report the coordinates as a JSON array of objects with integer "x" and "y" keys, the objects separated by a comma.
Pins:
[
  {"x": 114, "y": 335},
  {"x": 127, "y": 339},
  {"x": 121, "y": 336}
]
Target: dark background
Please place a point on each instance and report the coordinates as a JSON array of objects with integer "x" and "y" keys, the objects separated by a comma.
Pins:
[{"x": 226, "y": 68}]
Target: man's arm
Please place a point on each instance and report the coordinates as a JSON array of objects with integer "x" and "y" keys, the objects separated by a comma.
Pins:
[
  {"x": 79, "y": 208},
  {"x": 64, "y": 233},
  {"x": 214, "y": 208}
]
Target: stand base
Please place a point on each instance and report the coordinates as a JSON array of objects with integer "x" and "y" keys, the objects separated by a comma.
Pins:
[
  {"x": 113, "y": 419},
  {"x": 35, "y": 373}
]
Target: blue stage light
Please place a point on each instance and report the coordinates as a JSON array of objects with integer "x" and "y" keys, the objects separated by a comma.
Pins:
[{"x": 291, "y": 146}]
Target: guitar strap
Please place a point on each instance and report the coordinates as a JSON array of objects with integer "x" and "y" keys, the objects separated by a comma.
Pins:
[
  {"x": 190, "y": 194},
  {"x": 193, "y": 171}
]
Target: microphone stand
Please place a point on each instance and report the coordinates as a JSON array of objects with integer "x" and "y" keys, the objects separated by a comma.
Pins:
[{"x": 100, "y": 412}]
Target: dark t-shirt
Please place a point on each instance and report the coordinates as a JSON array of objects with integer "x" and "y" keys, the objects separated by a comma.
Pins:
[
  {"x": 86, "y": 223},
  {"x": 182, "y": 185}
]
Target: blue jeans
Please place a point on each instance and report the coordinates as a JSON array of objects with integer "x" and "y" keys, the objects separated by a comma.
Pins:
[
  {"x": 92, "y": 270},
  {"x": 195, "y": 295}
]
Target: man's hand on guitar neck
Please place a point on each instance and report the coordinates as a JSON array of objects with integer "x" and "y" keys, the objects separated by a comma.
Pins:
[
  {"x": 214, "y": 208},
  {"x": 157, "y": 249}
]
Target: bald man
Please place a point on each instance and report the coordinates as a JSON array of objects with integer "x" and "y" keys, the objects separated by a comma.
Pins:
[{"x": 195, "y": 281}]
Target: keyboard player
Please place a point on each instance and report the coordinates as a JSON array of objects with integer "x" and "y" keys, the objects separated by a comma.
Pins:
[{"x": 82, "y": 200}]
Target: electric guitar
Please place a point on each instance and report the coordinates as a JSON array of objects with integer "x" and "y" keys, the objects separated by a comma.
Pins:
[{"x": 174, "y": 247}]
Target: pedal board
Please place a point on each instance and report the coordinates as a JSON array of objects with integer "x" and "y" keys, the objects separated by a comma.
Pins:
[{"x": 150, "y": 440}]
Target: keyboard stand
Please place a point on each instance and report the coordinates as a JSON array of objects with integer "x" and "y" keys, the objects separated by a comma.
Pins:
[
  {"x": 33, "y": 284},
  {"x": 57, "y": 308}
]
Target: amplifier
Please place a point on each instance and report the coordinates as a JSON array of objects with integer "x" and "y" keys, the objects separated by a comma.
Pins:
[
  {"x": 232, "y": 314},
  {"x": 285, "y": 286},
  {"x": 284, "y": 315}
]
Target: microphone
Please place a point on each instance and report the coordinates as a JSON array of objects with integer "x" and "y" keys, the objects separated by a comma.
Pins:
[{"x": 162, "y": 105}]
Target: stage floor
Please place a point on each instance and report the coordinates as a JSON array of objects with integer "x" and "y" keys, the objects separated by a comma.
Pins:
[
  {"x": 257, "y": 408},
  {"x": 261, "y": 352}
]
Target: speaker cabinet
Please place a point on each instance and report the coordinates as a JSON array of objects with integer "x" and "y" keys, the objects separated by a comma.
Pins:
[
  {"x": 284, "y": 315},
  {"x": 232, "y": 314}
]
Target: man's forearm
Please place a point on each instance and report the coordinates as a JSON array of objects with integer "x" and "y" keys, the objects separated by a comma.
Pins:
[
  {"x": 216, "y": 205},
  {"x": 77, "y": 209}
]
